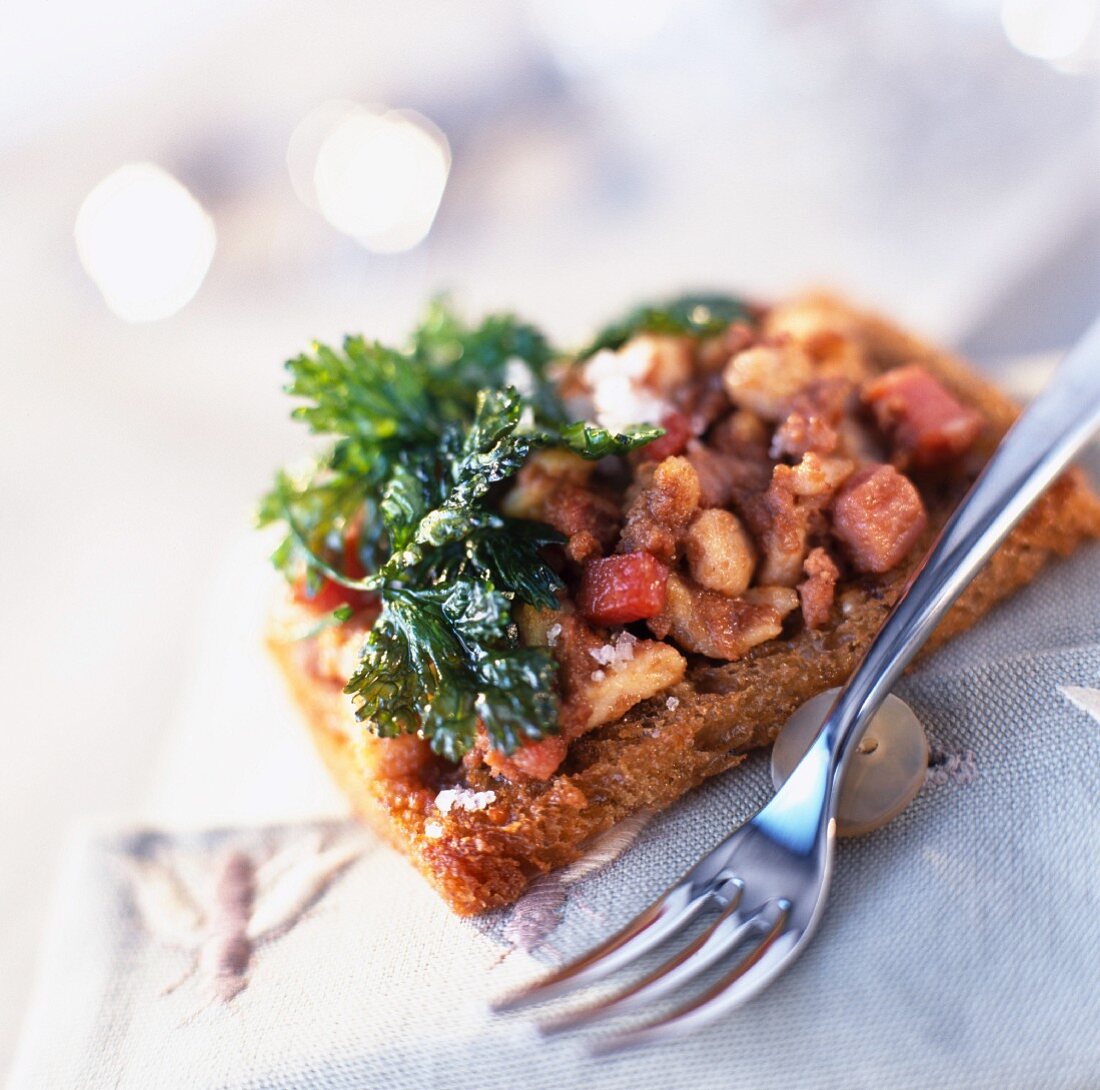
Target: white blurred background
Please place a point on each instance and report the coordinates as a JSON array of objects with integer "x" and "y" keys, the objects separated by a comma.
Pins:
[{"x": 190, "y": 192}]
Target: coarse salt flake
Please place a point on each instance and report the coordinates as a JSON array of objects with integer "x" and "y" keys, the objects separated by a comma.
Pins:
[
  {"x": 553, "y": 633},
  {"x": 463, "y": 798},
  {"x": 672, "y": 703},
  {"x": 617, "y": 654},
  {"x": 433, "y": 830},
  {"x": 603, "y": 655}
]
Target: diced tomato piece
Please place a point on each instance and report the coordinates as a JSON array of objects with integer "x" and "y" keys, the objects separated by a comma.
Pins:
[
  {"x": 328, "y": 596},
  {"x": 331, "y": 595},
  {"x": 878, "y": 516},
  {"x": 675, "y": 440},
  {"x": 928, "y": 424},
  {"x": 621, "y": 589}
]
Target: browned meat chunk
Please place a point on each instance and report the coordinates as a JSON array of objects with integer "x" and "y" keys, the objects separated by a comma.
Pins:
[
  {"x": 815, "y": 477},
  {"x": 835, "y": 355},
  {"x": 544, "y": 473},
  {"x": 783, "y": 600},
  {"x": 709, "y": 623},
  {"x": 817, "y": 590},
  {"x": 555, "y": 487},
  {"x": 781, "y": 517},
  {"x": 741, "y": 433},
  {"x": 815, "y": 417},
  {"x": 600, "y": 678},
  {"x": 782, "y": 530},
  {"x": 726, "y": 478},
  {"x": 878, "y": 516},
  {"x": 677, "y": 433},
  {"x": 661, "y": 509},
  {"x": 588, "y": 518},
  {"x": 804, "y": 430}
]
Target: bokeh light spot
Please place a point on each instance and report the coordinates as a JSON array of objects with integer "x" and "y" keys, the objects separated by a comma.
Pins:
[
  {"x": 145, "y": 242},
  {"x": 377, "y": 176},
  {"x": 1050, "y": 30}
]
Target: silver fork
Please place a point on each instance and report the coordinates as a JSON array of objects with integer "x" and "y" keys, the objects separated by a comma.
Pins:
[{"x": 769, "y": 879}]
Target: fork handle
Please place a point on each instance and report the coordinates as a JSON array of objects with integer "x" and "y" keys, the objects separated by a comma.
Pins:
[{"x": 1036, "y": 449}]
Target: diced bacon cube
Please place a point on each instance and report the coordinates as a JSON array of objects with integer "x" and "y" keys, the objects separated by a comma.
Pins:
[
  {"x": 928, "y": 425},
  {"x": 620, "y": 589},
  {"x": 878, "y": 516},
  {"x": 677, "y": 434}
]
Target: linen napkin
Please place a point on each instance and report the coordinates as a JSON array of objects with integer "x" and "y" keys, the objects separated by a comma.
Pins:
[{"x": 960, "y": 948}]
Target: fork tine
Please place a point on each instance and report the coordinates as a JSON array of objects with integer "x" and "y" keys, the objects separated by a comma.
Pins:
[
  {"x": 649, "y": 928},
  {"x": 725, "y": 932},
  {"x": 752, "y": 973}
]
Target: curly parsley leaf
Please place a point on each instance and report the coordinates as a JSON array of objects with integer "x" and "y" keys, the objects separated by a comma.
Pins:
[
  {"x": 502, "y": 351},
  {"x": 512, "y": 548},
  {"x": 694, "y": 315},
  {"x": 441, "y": 660},
  {"x": 318, "y": 509},
  {"x": 491, "y": 451},
  {"x": 365, "y": 392},
  {"x": 380, "y": 405},
  {"x": 421, "y": 440},
  {"x": 592, "y": 441}
]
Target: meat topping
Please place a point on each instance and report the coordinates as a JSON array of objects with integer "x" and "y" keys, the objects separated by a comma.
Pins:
[
  {"x": 784, "y": 515},
  {"x": 878, "y": 517},
  {"x": 720, "y": 554},
  {"x": 781, "y": 468},
  {"x": 782, "y": 599},
  {"x": 726, "y": 478},
  {"x": 662, "y": 507},
  {"x": 584, "y": 513},
  {"x": 545, "y": 472},
  {"x": 764, "y": 379},
  {"x": 817, "y": 590},
  {"x": 600, "y": 680},
  {"x": 927, "y": 423},
  {"x": 709, "y": 623},
  {"x": 677, "y": 433},
  {"x": 816, "y": 414}
]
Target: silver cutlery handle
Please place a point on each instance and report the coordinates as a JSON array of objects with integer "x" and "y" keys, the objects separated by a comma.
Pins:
[{"x": 1036, "y": 449}]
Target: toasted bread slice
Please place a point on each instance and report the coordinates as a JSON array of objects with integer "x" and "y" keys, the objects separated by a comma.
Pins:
[{"x": 484, "y": 858}]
